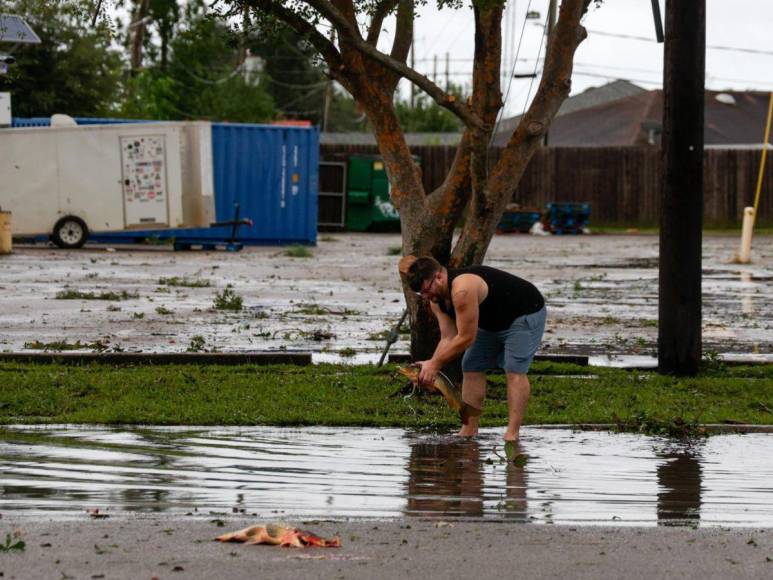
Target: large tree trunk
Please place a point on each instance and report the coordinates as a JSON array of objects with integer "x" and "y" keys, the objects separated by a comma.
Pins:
[
  {"x": 371, "y": 76},
  {"x": 486, "y": 194}
]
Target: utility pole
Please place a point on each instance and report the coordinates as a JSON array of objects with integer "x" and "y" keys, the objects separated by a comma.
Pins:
[
  {"x": 434, "y": 68},
  {"x": 551, "y": 18},
  {"x": 328, "y": 91},
  {"x": 413, "y": 61},
  {"x": 448, "y": 72},
  {"x": 552, "y": 9},
  {"x": 681, "y": 208}
]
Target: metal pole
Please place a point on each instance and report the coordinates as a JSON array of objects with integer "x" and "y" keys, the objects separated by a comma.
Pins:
[
  {"x": 413, "y": 62},
  {"x": 392, "y": 338},
  {"x": 658, "y": 20},
  {"x": 448, "y": 72}
]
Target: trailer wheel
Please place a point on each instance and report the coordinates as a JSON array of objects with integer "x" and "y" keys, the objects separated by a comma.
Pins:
[{"x": 70, "y": 232}]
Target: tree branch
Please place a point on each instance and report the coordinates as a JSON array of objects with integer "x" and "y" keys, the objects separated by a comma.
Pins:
[
  {"x": 486, "y": 91},
  {"x": 487, "y": 205},
  {"x": 325, "y": 47},
  {"x": 377, "y": 20},
  {"x": 352, "y": 34},
  {"x": 401, "y": 46}
]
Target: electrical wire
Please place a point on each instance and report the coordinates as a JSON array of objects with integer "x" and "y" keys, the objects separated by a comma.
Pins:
[
  {"x": 708, "y": 46},
  {"x": 536, "y": 64},
  {"x": 510, "y": 80}
]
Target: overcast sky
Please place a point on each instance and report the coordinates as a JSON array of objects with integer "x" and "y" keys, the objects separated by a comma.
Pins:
[
  {"x": 736, "y": 24},
  {"x": 620, "y": 45}
]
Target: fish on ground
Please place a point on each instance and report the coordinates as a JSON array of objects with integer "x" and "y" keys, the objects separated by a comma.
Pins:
[{"x": 279, "y": 535}]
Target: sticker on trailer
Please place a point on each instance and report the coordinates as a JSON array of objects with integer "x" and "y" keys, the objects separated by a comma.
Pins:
[{"x": 145, "y": 196}]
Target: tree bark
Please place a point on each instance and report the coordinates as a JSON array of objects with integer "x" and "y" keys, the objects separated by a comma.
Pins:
[{"x": 428, "y": 221}]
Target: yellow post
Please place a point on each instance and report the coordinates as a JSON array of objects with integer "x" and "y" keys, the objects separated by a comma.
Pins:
[
  {"x": 5, "y": 232},
  {"x": 750, "y": 213},
  {"x": 764, "y": 156}
]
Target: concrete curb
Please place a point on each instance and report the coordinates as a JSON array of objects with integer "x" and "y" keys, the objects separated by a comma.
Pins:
[
  {"x": 149, "y": 358},
  {"x": 576, "y": 359},
  {"x": 216, "y": 358}
]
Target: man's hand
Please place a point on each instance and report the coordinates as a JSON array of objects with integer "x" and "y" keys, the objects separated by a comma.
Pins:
[{"x": 428, "y": 372}]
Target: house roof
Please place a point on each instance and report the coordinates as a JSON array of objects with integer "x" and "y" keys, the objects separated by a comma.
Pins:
[
  {"x": 730, "y": 118},
  {"x": 591, "y": 97},
  {"x": 617, "y": 114}
]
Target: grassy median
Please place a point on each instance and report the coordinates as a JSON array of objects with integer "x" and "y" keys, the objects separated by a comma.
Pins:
[{"x": 369, "y": 396}]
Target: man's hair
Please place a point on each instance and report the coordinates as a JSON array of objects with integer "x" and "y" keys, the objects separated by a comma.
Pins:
[{"x": 421, "y": 270}]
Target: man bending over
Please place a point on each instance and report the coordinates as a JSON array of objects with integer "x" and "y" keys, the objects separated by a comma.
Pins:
[{"x": 494, "y": 318}]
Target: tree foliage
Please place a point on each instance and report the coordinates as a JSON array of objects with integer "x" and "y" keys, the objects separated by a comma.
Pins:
[
  {"x": 74, "y": 70},
  {"x": 426, "y": 116},
  {"x": 202, "y": 79}
]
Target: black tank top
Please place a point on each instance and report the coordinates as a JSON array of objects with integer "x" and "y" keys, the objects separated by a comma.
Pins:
[{"x": 508, "y": 297}]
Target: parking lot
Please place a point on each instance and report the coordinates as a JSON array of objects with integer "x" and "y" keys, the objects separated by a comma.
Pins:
[{"x": 341, "y": 300}]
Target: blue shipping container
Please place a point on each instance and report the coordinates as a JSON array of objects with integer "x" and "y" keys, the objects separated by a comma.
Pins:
[{"x": 271, "y": 171}]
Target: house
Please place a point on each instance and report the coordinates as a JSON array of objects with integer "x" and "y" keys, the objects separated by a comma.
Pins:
[{"x": 732, "y": 118}]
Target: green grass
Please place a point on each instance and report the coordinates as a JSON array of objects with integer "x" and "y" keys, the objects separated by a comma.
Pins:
[
  {"x": 184, "y": 282},
  {"x": 227, "y": 300},
  {"x": 78, "y": 295},
  {"x": 340, "y": 395},
  {"x": 298, "y": 251},
  {"x": 60, "y": 345},
  {"x": 313, "y": 309}
]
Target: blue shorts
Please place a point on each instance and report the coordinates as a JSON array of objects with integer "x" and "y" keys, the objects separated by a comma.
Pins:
[{"x": 511, "y": 349}]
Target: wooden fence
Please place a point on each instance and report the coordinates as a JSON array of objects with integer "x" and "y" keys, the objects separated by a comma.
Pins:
[{"x": 622, "y": 184}]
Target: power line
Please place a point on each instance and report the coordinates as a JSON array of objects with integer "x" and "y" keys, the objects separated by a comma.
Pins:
[
  {"x": 713, "y": 47},
  {"x": 660, "y": 82},
  {"x": 536, "y": 64}
]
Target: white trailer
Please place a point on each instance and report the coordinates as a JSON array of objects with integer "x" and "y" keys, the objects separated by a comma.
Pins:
[{"x": 68, "y": 181}]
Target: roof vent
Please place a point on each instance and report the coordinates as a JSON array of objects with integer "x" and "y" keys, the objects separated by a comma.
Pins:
[{"x": 725, "y": 98}]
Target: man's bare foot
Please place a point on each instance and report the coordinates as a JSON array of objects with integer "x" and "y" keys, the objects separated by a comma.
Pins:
[{"x": 467, "y": 431}]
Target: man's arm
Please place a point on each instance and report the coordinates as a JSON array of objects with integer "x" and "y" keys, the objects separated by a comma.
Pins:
[
  {"x": 465, "y": 296},
  {"x": 447, "y": 327}
]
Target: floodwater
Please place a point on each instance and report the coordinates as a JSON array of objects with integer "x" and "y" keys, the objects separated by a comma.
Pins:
[{"x": 569, "y": 477}]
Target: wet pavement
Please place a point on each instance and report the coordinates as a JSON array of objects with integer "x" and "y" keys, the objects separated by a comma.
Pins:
[
  {"x": 569, "y": 477},
  {"x": 601, "y": 292}
]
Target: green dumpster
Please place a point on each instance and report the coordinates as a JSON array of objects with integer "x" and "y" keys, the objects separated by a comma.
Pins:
[{"x": 368, "y": 205}]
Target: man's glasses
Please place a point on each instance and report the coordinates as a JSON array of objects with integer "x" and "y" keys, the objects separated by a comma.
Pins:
[{"x": 425, "y": 287}]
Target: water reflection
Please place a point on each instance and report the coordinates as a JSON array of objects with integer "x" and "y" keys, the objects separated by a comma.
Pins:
[
  {"x": 445, "y": 476},
  {"x": 570, "y": 477},
  {"x": 679, "y": 478}
]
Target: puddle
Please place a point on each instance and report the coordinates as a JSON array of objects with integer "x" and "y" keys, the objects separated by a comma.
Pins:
[{"x": 569, "y": 478}]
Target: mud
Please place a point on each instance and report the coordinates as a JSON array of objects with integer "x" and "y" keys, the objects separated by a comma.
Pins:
[{"x": 601, "y": 291}]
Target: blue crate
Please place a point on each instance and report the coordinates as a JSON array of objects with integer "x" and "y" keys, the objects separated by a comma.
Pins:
[
  {"x": 518, "y": 221},
  {"x": 567, "y": 217}
]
